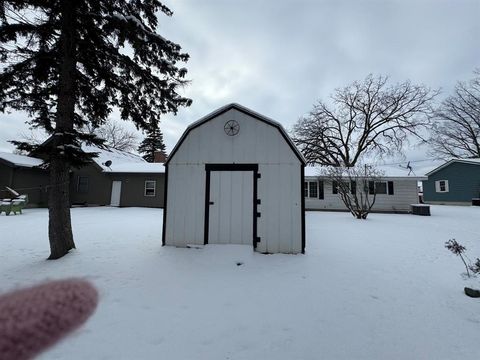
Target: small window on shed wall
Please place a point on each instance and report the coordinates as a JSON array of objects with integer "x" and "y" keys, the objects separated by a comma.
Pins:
[
  {"x": 441, "y": 186},
  {"x": 150, "y": 186},
  {"x": 82, "y": 184}
]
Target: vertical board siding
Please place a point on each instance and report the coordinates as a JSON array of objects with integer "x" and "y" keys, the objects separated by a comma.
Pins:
[
  {"x": 279, "y": 226},
  {"x": 185, "y": 204}
]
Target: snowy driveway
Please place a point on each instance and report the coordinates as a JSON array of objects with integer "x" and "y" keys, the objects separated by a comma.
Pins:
[{"x": 376, "y": 289}]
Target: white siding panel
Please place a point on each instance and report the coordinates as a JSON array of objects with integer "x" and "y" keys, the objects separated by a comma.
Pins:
[
  {"x": 185, "y": 204},
  {"x": 279, "y": 188},
  {"x": 279, "y": 227},
  {"x": 405, "y": 193},
  {"x": 257, "y": 142}
]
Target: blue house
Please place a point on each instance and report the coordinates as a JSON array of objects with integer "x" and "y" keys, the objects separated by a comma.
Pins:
[{"x": 456, "y": 182}]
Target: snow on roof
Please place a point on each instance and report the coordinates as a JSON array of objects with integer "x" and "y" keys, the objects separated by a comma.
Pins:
[
  {"x": 122, "y": 161},
  {"x": 20, "y": 160},
  {"x": 144, "y": 167},
  {"x": 388, "y": 171},
  {"x": 446, "y": 163}
]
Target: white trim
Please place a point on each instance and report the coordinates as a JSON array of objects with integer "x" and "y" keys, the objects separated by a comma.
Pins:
[
  {"x": 116, "y": 195},
  {"x": 307, "y": 187},
  {"x": 154, "y": 188},
  {"x": 438, "y": 186}
]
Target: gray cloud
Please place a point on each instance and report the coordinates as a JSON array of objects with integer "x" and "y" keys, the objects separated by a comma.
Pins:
[{"x": 279, "y": 57}]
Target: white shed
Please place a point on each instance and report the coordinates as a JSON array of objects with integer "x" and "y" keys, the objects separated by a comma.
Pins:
[{"x": 235, "y": 177}]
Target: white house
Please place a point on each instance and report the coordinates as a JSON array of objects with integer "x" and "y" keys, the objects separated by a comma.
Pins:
[
  {"x": 235, "y": 177},
  {"x": 396, "y": 190}
]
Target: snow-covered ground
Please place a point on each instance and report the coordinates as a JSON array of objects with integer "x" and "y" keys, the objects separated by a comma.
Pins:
[{"x": 385, "y": 288}]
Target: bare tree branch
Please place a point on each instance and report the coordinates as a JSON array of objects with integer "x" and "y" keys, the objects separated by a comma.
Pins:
[
  {"x": 355, "y": 186},
  {"x": 456, "y": 129},
  {"x": 367, "y": 116},
  {"x": 116, "y": 136}
]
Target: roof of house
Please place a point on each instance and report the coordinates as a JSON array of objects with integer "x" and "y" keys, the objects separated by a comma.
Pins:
[
  {"x": 20, "y": 160},
  {"x": 144, "y": 167},
  {"x": 246, "y": 111},
  {"x": 387, "y": 171},
  {"x": 122, "y": 161},
  {"x": 464, "y": 161}
]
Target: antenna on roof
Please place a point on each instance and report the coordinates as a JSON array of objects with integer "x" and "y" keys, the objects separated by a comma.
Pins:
[
  {"x": 409, "y": 168},
  {"x": 107, "y": 163}
]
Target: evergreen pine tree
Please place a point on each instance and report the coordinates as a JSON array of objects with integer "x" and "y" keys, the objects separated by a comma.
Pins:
[
  {"x": 152, "y": 143},
  {"x": 68, "y": 63}
]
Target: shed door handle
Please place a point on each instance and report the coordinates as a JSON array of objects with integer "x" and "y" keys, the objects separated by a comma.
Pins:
[{"x": 211, "y": 203}]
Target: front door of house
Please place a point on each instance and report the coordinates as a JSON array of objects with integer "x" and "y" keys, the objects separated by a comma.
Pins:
[
  {"x": 116, "y": 192},
  {"x": 231, "y": 207}
]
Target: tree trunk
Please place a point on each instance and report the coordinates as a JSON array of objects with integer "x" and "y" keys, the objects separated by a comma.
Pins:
[{"x": 59, "y": 225}]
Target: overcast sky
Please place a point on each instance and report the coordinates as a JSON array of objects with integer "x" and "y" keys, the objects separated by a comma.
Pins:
[{"x": 279, "y": 57}]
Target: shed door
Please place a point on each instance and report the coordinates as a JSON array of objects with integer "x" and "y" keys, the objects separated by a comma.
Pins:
[
  {"x": 116, "y": 191},
  {"x": 231, "y": 207}
]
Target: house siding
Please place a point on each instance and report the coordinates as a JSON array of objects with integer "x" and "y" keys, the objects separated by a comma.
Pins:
[
  {"x": 32, "y": 182},
  {"x": 463, "y": 182},
  {"x": 99, "y": 187},
  {"x": 133, "y": 187},
  {"x": 405, "y": 193}
]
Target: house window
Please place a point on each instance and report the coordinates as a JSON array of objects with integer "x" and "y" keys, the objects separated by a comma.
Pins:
[
  {"x": 390, "y": 188},
  {"x": 82, "y": 184},
  {"x": 441, "y": 186},
  {"x": 380, "y": 187},
  {"x": 344, "y": 186},
  {"x": 150, "y": 186},
  {"x": 353, "y": 187},
  {"x": 313, "y": 189}
]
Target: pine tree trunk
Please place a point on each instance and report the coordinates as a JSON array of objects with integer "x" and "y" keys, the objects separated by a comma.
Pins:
[{"x": 59, "y": 225}]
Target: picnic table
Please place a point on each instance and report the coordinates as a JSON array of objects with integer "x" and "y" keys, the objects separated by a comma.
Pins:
[{"x": 14, "y": 205}]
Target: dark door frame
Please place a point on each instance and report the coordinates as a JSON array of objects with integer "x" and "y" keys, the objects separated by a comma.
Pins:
[{"x": 231, "y": 167}]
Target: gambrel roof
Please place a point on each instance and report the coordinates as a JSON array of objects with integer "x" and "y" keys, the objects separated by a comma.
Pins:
[{"x": 246, "y": 111}]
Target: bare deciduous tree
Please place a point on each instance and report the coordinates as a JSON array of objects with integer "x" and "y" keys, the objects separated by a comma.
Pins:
[
  {"x": 34, "y": 136},
  {"x": 116, "y": 136},
  {"x": 356, "y": 186},
  {"x": 368, "y": 116},
  {"x": 456, "y": 130}
]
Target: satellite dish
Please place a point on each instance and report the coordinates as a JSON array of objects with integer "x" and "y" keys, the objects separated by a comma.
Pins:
[{"x": 108, "y": 163}]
